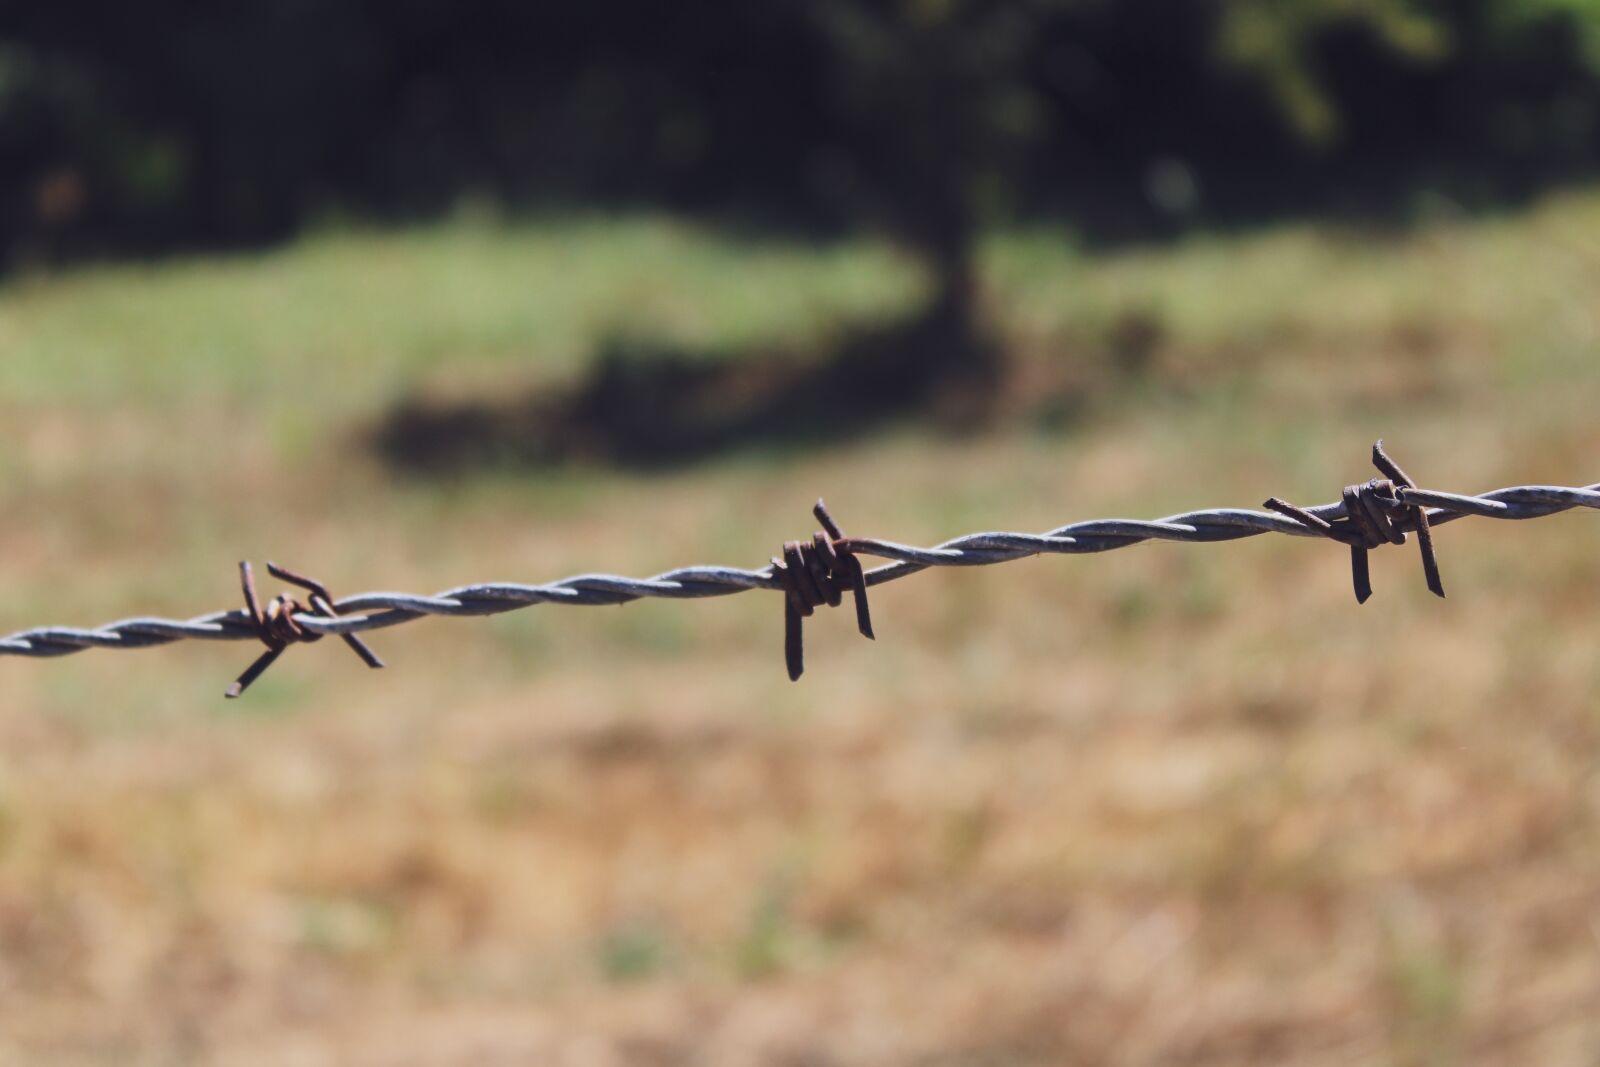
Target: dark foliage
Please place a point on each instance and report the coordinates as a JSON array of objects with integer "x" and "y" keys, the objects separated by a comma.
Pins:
[{"x": 140, "y": 127}]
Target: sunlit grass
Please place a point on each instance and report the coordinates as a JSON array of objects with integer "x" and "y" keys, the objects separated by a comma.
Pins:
[
  {"x": 1523, "y": 280},
  {"x": 346, "y": 319}
]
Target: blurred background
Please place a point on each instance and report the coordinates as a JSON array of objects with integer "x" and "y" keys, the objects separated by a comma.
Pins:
[{"x": 411, "y": 294}]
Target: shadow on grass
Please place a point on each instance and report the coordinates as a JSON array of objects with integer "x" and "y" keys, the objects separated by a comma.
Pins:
[{"x": 648, "y": 406}]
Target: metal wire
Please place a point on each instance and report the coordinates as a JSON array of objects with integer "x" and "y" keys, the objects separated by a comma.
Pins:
[{"x": 380, "y": 610}]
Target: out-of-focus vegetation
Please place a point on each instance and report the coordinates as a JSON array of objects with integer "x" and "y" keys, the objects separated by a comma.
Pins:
[
  {"x": 353, "y": 319},
  {"x": 157, "y": 127},
  {"x": 160, "y": 125},
  {"x": 1174, "y": 804}
]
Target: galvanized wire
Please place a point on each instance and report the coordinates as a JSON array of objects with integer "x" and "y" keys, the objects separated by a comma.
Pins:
[{"x": 380, "y": 610}]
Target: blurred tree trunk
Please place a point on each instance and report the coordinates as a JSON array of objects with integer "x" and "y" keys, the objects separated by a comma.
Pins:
[
  {"x": 963, "y": 354},
  {"x": 916, "y": 90}
]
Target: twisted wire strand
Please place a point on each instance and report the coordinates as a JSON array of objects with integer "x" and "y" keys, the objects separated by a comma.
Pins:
[{"x": 380, "y": 610}]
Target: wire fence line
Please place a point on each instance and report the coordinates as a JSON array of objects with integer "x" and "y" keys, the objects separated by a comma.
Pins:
[{"x": 819, "y": 572}]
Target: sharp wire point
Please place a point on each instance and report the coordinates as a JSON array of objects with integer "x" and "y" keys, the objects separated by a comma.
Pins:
[
  {"x": 817, "y": 573},
  {"x": 278, "y": 626},
  {"x": 1368, "y": 521}
]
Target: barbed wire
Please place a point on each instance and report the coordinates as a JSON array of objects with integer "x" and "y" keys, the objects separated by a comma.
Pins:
[{"x": 811, "y": 574}]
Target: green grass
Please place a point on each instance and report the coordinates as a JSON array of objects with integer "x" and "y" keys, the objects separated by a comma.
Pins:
[
  {"x": 1510, "y": 275},
  {"x": 346, "y": 320}
]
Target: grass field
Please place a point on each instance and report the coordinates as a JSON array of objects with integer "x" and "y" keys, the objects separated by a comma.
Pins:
[{"x": 1173, "y": 805}]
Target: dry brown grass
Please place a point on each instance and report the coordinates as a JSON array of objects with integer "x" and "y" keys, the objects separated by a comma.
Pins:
[{"x": 1179, "y": 804}]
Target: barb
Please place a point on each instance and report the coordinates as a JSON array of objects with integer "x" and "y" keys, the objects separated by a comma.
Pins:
[
  {"x": 814, "y": 575},
  {"x": 1391, "y": 508},
  {"x": 1371, "y": 520},
  {"x": 278, "y": 627}
]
